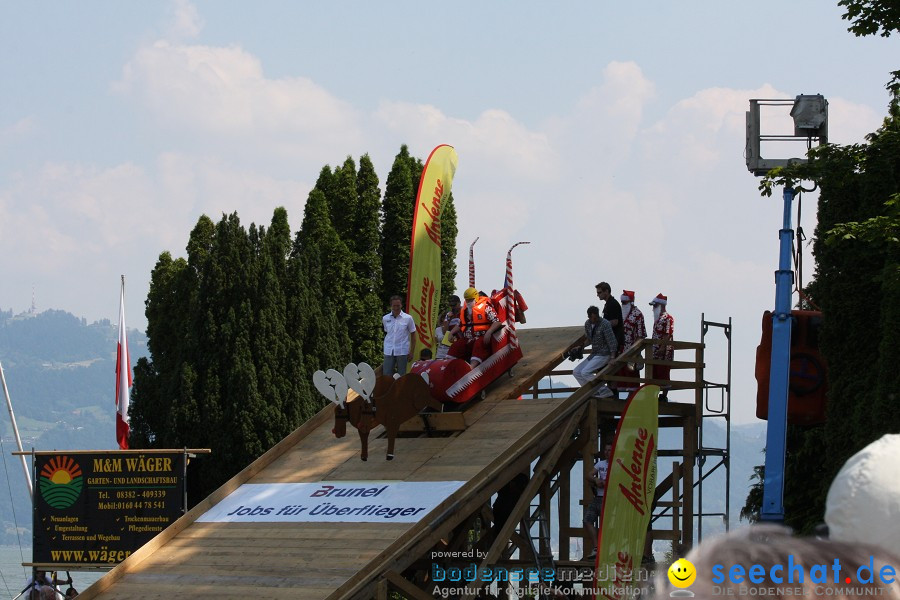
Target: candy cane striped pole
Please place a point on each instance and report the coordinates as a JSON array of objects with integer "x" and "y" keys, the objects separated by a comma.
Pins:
[
  {"x": 509, "y": 298},
  {"x": 472, "y": 264}
]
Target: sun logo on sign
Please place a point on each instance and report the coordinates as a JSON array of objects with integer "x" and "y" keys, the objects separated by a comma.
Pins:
[{"x": 61, "y": 482}]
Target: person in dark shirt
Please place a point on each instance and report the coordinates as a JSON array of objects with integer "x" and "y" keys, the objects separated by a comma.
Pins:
[{"x": 612, "y": 311}]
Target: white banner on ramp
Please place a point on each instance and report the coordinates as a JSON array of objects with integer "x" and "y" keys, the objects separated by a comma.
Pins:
[{"x": 331, "y": 502}]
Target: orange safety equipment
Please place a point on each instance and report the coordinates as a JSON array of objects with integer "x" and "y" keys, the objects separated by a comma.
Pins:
[{"x": 480, "y": 322}]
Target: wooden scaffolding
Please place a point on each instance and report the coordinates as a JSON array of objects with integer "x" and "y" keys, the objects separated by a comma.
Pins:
[{"x": 522, "y": 442}]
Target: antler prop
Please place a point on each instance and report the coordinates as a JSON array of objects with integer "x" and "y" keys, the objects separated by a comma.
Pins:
[
  {"x": 332, "y": 385},
  {"x": 361, "y": 379}
]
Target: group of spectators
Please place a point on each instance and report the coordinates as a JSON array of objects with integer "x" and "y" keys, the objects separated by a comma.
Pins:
[
  {"x": 465, "y": 330},
  {"x": 616, "y": 329},
  {"x": 856, "y": 551},
  {"x": 41, "y": 586}
]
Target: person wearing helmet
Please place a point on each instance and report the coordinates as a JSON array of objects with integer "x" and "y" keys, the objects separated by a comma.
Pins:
[{"x": 475, "y": 332}]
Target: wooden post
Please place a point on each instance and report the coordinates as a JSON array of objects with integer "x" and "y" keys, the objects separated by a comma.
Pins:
[
  {"x": 690, "y": 449},
  {"x": 565, "y": 515},
  {"x": 587, "y": 458},
  {"x": 676, "y": 505},
  {"x": 541, "y": 471}
]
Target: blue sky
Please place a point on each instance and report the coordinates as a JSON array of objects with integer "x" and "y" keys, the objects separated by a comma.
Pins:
[{"x": 609, "y": 135}]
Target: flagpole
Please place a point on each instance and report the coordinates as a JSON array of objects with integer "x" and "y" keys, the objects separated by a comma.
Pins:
[
  {"x": 123, "y": 376},
  {"x": 15, "y": 428}
]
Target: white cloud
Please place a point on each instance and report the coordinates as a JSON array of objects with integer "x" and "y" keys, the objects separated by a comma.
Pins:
[
  {"x": 186, "y": 22},
  {"x": 80, "y": 226},
  {"x": 495, "y": 137},
  {"x": 19, "y": 129},
  {"x": 604, "y": 121},
  {"x": 206, "y": 185},
  {"x": 619, "y": 100},
  {"x": 849, "y": 123},
  {"x": 217, "y": 92},
  {"x": 703, "y": 131}
]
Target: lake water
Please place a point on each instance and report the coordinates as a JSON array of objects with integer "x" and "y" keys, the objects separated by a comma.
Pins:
[{"x": 13, "y": 575}]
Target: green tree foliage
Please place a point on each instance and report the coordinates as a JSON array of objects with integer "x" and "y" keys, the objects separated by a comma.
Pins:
[
  {"x": 354, "y": 203},
  {"x": 751, "y": 508},
  {"x": 857, "y": 288},
  {"x": 237, "y": 328},
  {"x": 449, "y": 231},
  {"x": 401, "y": 188},
  {"x": 222, "y": 372},
  {"x": 322, "y": 262},
  {"x": 871, "y": 17},
  {"x": 366, "y": 326}
]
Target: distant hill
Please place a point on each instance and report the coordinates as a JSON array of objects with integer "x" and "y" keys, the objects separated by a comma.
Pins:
[{"x": 60, "y": 371}]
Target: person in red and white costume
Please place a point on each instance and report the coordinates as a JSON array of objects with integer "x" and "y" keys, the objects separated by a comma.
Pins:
[
  {"x": 663, "y": 329},
  {"x": 633, "y": 320},
  {"x": 634, "y": 329}
]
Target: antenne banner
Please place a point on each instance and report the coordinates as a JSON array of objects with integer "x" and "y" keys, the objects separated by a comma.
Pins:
[
  {"x": 630, "y": 486},
  {"x": 331, "y": 502},
  {"x": 424, "y": 289}
]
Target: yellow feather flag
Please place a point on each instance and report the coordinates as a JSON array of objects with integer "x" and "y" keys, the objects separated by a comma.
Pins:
[
  {"x": 630, "y": 486},
  {"x": 424, "y": 295}
]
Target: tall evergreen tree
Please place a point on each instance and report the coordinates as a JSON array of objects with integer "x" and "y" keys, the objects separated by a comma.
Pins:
[
  {"x": 224, "y": 372},
  {"x": 155, "y": 381},
  {"x": 322, "y": 261},
  {"x": 365, "y": 327},
  {"x": 449, "y": 231},
  {"x": 342, "y": 202},
  {"x": 271, "y": 350},
  {"x": 326, "y": 182},
  {"x": 399, "y": 201}
]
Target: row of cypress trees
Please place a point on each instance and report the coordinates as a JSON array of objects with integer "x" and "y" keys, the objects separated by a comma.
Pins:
[{"x": 236, "y": 329}]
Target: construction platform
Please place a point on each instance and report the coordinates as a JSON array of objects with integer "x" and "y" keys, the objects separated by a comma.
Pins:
[{"x": 513, "y": 430}]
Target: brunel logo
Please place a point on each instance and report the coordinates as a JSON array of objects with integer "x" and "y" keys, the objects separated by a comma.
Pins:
[
  {"x": 347, "y": 492},
  {"x": 61, "y": 482}
]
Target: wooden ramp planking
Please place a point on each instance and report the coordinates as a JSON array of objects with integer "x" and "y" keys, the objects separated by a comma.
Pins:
[{"x": 312, "y": 560}]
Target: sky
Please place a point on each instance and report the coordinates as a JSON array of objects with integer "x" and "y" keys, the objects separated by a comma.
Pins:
[{"x": 609, "y": 135}]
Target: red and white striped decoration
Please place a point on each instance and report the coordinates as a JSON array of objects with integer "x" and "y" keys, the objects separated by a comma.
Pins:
[
  {"x": 472, "y": 264},
  {"x": 510, "y": 298}
]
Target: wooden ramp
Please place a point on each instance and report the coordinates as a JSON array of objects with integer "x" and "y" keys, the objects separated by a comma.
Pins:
[{"x": 502, "y": 436}]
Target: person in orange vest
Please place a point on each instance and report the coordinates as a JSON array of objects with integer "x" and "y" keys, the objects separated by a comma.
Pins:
[{"x": 475, "y": 333}]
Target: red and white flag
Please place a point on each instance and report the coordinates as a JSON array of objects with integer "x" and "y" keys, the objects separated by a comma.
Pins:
[{"x": 123, "y": 377}]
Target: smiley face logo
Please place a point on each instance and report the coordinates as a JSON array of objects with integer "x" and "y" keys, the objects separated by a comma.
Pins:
[{"x": 682, "y": 573}]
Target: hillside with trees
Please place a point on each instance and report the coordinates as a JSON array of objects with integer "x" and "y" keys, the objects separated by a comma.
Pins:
[{"x": 60, "y": 371}]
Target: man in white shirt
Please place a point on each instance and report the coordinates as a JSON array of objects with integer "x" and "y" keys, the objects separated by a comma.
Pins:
[{"x": 399, "y": 329}]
